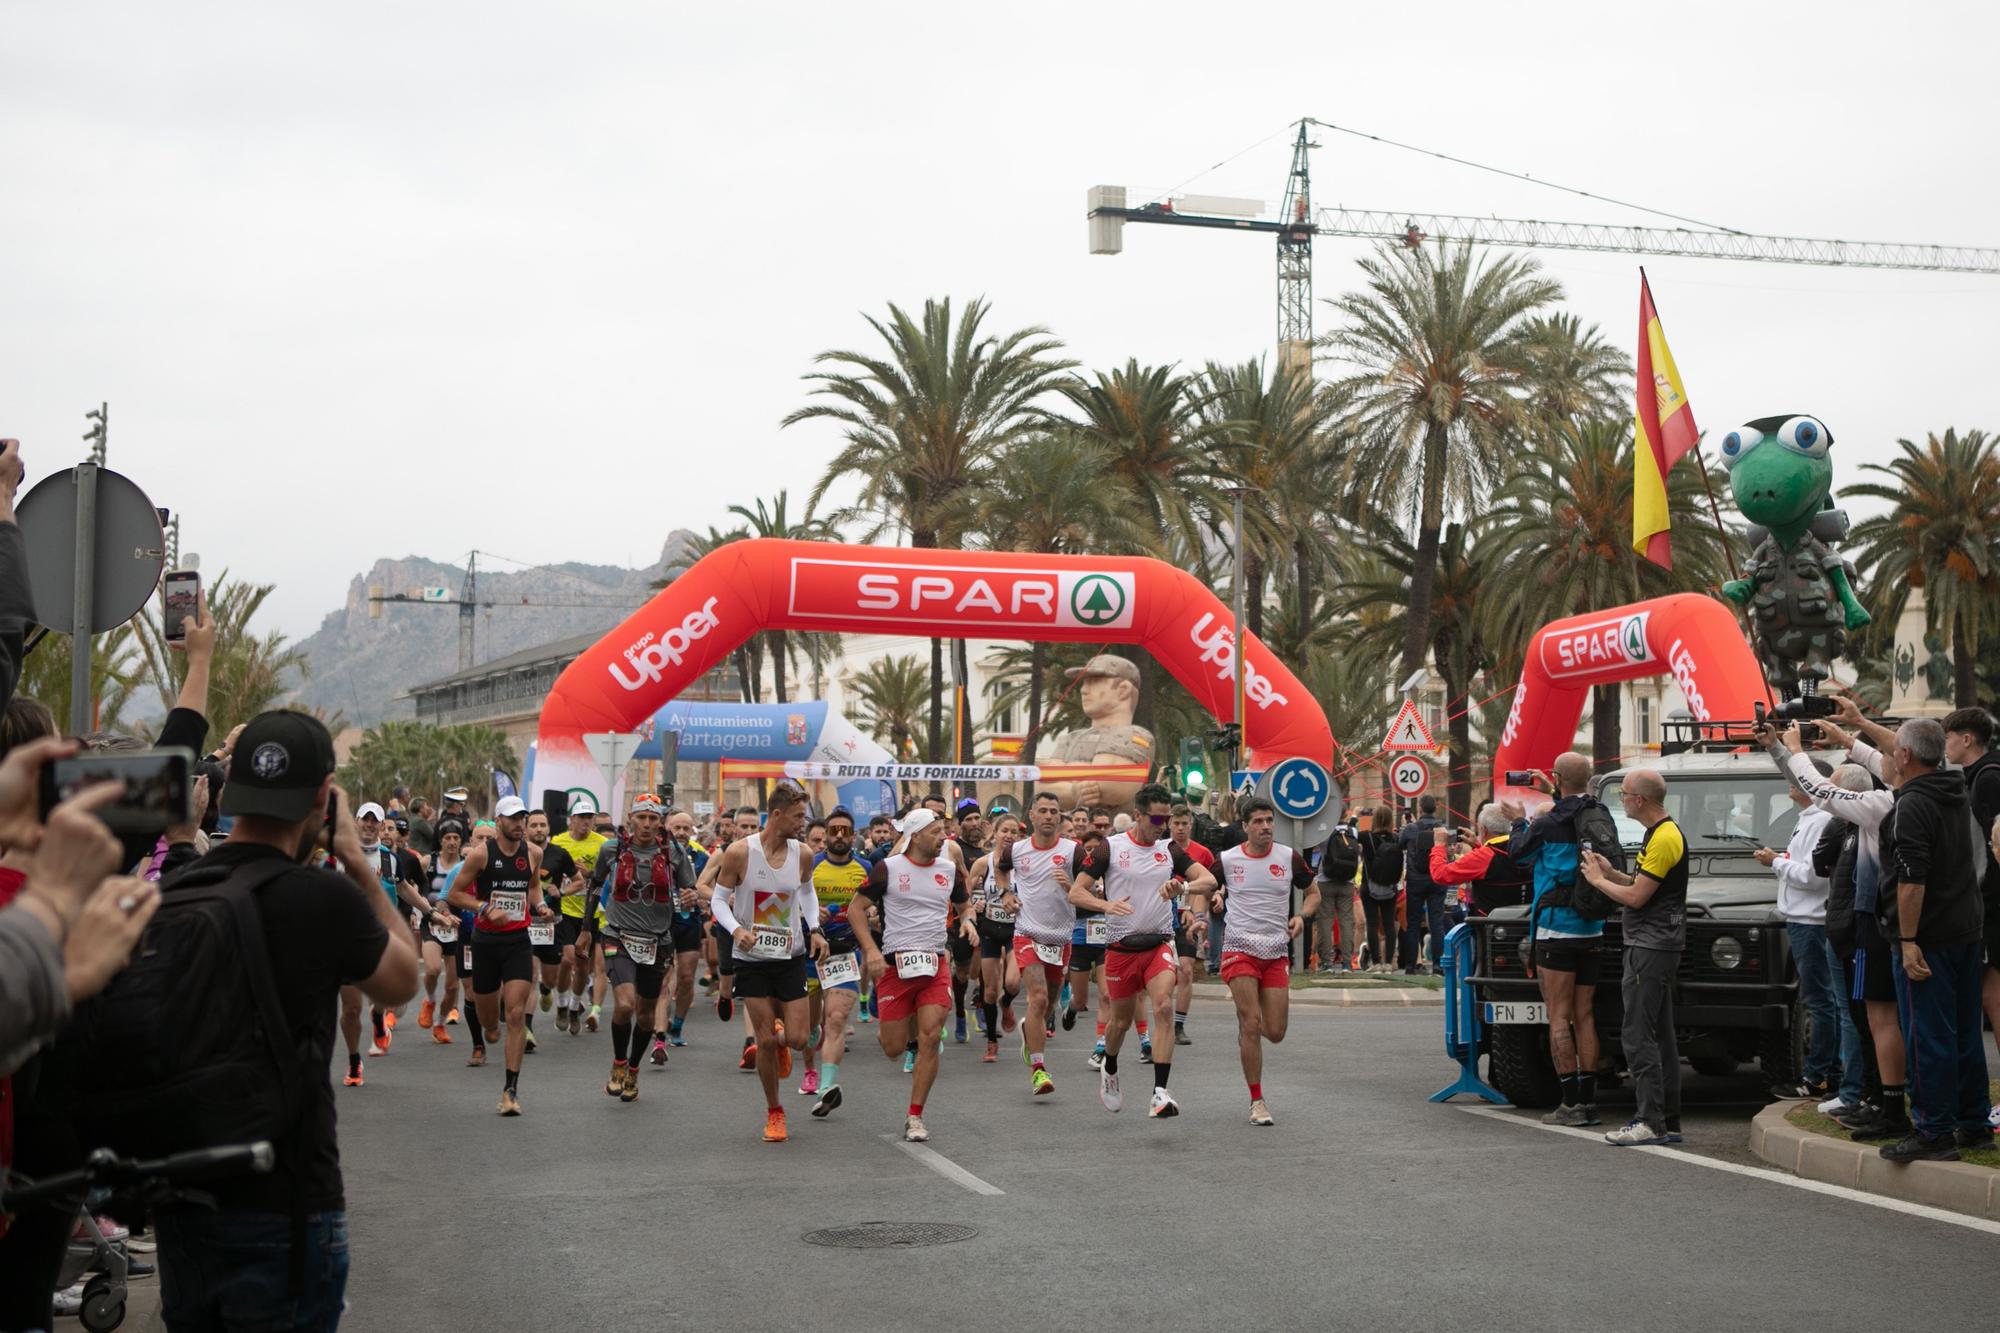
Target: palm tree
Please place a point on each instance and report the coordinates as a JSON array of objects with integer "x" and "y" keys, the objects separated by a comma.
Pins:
[
  {"x": 422, "y": 755},
  {"x": 250, "y": 673},
  {"x": 1560, "y": 533},
  {"x": 924, "y": 423},
  {"x": 891, "y": 697},
  {"x": 1438, "y": 342},
  {"x": 772, "y": 522},
  {"x": 1149, "y": 422},
  {"x": 1939, "y": 534},
  {"x": 1574, "y": 374},
  {"x": 116, "y": 673},
  {"x": 1058, "y": 492}
]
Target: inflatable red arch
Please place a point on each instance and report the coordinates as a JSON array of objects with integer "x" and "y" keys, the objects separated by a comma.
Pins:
[
  {"x": 765, "y": 583},
  {"x": 1693, "y": 638}
]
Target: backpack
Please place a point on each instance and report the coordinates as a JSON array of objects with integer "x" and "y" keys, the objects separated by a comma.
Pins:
[
  {"x": 187, "y": 1047},
  {"x": 1596, "y": 831},
  {"x": 1385, "y": 862},
  {"x": 1340, "y": 860}
]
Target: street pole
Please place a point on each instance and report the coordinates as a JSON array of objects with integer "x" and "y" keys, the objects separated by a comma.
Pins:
[
  {"x": 83, "y": 609},
  {"x": 1238, "y": 601}
]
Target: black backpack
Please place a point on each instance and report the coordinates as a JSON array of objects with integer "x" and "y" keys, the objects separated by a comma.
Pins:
[
  {"x": 1595, "y": 830},
  {"x": 1385, "y": 863},
  {"x": 1340, "y": 860},
  {"x": 188, "y": 1047}
]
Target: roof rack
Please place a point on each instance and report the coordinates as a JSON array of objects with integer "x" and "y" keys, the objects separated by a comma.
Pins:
[{"x": 1679, "y": 735}]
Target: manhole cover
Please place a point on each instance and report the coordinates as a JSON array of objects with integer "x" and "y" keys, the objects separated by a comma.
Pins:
[{"x": 890, "y": 1235}]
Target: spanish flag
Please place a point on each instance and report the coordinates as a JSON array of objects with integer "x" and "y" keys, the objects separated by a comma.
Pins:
[{"x": 1665, "y": 431}]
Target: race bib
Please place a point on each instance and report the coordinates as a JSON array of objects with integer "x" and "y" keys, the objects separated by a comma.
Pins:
[
  {"x": 1096, "y": 931},
  {"x": 416, "y": 919},
  {"x": 468, "y": 956},
  {"x": 640, "y": 950},
  {"x": 448, "y": 932},
  {"x": 839, "y": 970},
  {"x": 541, "y": 932},
  {"x": 1050, "y": 954},
  {"x": 771, "y": 942},
  {"x": 510, "y": 905},
  {"x": 916, "y": 963},
  {"x": 998, "y": 915}
]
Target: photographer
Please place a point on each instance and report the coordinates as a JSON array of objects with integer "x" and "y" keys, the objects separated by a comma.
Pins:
[{"x": 1484, "y": 865}]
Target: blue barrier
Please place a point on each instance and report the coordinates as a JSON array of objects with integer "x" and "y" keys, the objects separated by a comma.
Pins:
[{"x": 1462, "y": 1017}]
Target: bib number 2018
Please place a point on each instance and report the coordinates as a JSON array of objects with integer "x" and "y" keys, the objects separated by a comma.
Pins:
[{"x": 916, "y": 963}]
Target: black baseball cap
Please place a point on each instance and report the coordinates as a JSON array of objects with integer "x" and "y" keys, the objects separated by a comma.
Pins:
[{"x": 280, "y": 761}]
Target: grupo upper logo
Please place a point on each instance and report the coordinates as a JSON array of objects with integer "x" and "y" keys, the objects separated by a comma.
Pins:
[
  {"x": 1598, "y": 645},
  {"x": 963, "y": 596},
  {"x": 650, "y": 657},
  {"x": 1513, "y": 727},
  {"x": 1681, "y": 662},
  {"x": 1218, "y": 645}
]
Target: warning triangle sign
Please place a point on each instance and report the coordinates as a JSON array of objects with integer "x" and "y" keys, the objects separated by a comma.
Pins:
[{"x": 1408, "y": 731}]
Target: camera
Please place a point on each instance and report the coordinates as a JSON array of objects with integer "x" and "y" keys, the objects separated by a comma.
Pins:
[
  {"x": 157, "y": 792},
  {"x": 1521, "y": 777}
]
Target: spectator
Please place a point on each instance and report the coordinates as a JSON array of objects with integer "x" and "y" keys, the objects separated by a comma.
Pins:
[
  {"x": 1423, "y": 898},
  {"x": 1934, "y": 857},
  {"x": 321, "y": 930},
  {"x": 1802, "y": 894},
  {"x": 1491, "y": 877},
  {"x": 423, "y": 833},
  {"x": 1853, "y": 798},
  {"x": 1654, "y": 921},
  {"x": 17, "y": 601},
  {"x": 1568, "y": 944},
  {"x": 1837, "y": 857},
  {"x": 1968, "y": 742},
  {"x": 1382, "y": 871},
  {"x": 1337, "y": 928}
]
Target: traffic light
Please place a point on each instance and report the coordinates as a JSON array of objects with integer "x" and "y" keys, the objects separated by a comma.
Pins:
[{"x": 1194, "y": 767}]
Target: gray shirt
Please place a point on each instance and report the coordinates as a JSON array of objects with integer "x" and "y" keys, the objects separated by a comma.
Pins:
[
  {"x": 641, "y": 913},
  {"x": 34, "y": 995}
]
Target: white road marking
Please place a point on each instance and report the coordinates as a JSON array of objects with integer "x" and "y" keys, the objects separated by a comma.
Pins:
[
  {"x": 944, "y": 1166},
  {"x": 1922, "y": 1210}
]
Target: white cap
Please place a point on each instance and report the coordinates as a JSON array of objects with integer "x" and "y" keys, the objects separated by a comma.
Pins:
[
  {"x": 580, "y": 803},
  {"x": 367, "y": 809},
  {"x": 509, "y": 805},
  {"x": 916, "y": 821}
]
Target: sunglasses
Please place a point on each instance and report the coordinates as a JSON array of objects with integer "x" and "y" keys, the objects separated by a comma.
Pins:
[{"x": 1158, "y": 821}]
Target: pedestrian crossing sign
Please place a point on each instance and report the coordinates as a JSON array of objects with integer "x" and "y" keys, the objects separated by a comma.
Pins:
[{"x": 1408, "y": 732}]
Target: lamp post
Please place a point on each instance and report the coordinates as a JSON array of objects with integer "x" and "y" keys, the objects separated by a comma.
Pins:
[{"x": 1237, "y": 602}]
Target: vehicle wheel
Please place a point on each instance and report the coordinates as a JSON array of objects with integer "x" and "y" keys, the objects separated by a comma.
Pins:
[
  {"x": 1714, "y": 1066},
  {"x": 1521, "y": 1067},
  {"x": 1782, "y": 1055},
  {"x": 101, "y": 1313}
]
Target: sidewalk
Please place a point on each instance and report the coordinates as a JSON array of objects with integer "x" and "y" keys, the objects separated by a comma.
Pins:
[
  {"x": 1959, "y": 1186},
  {"x": 1335, "y": 996}
]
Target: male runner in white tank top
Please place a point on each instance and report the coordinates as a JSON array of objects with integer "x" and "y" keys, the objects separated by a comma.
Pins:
[{"x": 1033, "y": 874}]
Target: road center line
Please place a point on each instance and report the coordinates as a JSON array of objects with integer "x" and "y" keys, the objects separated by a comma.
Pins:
[
  {"x": 1922, "y": 1210},
  {"x": 944, "y": 1166}
]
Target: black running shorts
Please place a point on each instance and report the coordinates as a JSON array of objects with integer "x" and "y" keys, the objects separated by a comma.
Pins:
[
  {"x": 496, "y": 958},
  {"x": 781, "y": 981},
  {"x": 1578, "y": 956}
]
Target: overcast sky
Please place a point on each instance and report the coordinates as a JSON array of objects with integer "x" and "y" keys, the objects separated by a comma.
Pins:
[{"x": 368, "y": 280}]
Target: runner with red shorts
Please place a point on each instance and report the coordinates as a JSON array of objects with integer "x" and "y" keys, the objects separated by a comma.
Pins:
[
  {"x": 921, "y": 897},
  {"x": 1033, "y": 876},
  {"x": 1258, "y": 877},
  {"x": 1143, "y": 876}
]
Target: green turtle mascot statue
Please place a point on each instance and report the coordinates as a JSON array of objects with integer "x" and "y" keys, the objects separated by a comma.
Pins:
[{"x": 1799, "y": 591}]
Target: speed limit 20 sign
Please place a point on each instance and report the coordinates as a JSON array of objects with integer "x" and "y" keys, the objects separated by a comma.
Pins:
[{"x": 1409, "y": 776}]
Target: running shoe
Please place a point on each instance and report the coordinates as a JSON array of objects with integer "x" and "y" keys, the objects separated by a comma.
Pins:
[
  {"x": 774, "y": 1125},
  {"x": 1096, "y": 1060},
  {"x": 1064, "y": 1001},
  {"x": 1181, "y": 1037},
  {"x": 1260, "y": 1114},
  {"x": 1040, "y": 1081},
  {"x": 1146, "y": 1051},
  {"x": 478, "y": 1057},
  {"x": 1834, "y": 1105},
  {"x": 992, "y": 1053},
  {"x": 829, "y": 1101},
  {"x": 1007, "y": 1020},
  {"x": 1672, "y": 1133},
  {"x": 909, "y": 1062},
  {"x": 1049, "y": 1028},
  {"x": 1108, "y": 1093},
  {"x": 529, "y": 1035},
  {"x": 353, "y": 1078},
  {"x": 616, "y": 1083},
  {"x": 1163, "y": 1105},
  {"x": 451, "y": 1019},
  {"x": 724, "y": 1007},
  {"x": 748, "y": 1060},
  {"x": 1917, "y": 1148},
  {"x": 784, "y": 1052},
  {"x": 379, "y": 1046},
  {"x": 509, "y": 1103},
  {"x": 439, "y": 1037},
  {"x": 590, "y": 1019},
  {"x": 914, "y": 1131},
  {"x": 389, "y": 1023},
  {"x": 1069, "y": 1018},
  {"x": 674, "y": 1037},
  {"x": 958, "y": 1030},
  {"x": 1636, "y": 1133},
  {"x": 809, "y": 1085},
  {"x": 659, "y": 1053},
  {"x": 1993, "y": 1117},
  {"x": 548, "y": 999},
  {"x": 1568, "y": 1117},
  {"x": 425, "y": 1013},
  {"x": 630, "y": 1092}
]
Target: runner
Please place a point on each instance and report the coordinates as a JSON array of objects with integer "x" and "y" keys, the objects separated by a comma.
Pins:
[
  {"x": 443, "y": 956},
  {"x": 1192, "y": 965},
  {"x": 581, "y": 844},
  {"x": 837, "y": 876},
  {"x": 763, "y": 893},
  {"x": 689, "y": 932},
  {"x": 921, "y": 896},
  {"x": 407, "y": 897},
  {"x": 1033, "y": 877},
  {"x": 643, "y": 877},
  {"x": 1258, "y": 876},
  {"x": 501, "y": 879},
  {"x": 963, "y": 830},
  {"x": 1143, "y": 877},
  {"x": 997, "y": 973},
  {"x": 559, "y": 880},
  {"x": 1086, "y": 956}
]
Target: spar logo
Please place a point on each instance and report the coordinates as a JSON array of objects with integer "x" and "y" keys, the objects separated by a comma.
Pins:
[
  {"x": 649, "y": 658},
  {"x": 1612, "y": 644},
  {"x": 961, "y": 596},
  {"x": 1097, "y": 599},
  {"x": 1218, "y": 645}
]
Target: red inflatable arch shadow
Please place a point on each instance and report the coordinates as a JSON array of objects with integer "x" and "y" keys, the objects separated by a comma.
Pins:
[
  {"x": 765, "y": 583},
  {"x": 1693, "y": 638}
]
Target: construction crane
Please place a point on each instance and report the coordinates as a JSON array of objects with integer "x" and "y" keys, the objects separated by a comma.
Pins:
[
  {"x": 469, "y": 603},
  {"x": 1297, "y": 224}
]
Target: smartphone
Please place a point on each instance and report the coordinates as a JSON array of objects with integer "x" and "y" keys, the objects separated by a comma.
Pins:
[
  {"x": 181, "y": 592},
  {"x": 158, "y": 787},
  {"x": 1520, "y": 777}
]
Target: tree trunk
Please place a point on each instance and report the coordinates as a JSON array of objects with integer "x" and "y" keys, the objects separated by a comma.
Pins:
[
  {"x": 1606, "y": 734},
  {"x": 1458, "y": 786},
  {"x": 1142, "y": 711},
  {"x": 1423, "y": 574},
  {"x": 935, "y": 747},
  {"x": 1253, "y": 600},
  {"x": 1964, "y": 668},
  {"x": 1302, "y": 571},
  {"x": 745, "y": 685},
  {"x": 961, "y": 702},
  {"x": 778, "y": 664},
  {"x": 1038, "y": 660}
]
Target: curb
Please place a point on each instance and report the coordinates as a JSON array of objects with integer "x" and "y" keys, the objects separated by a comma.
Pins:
[
  {"x": 1343, "y": 997},
  {"x": 1955, "y": 1185}
]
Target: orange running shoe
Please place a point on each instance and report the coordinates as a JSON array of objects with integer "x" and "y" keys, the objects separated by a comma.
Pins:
[
  {"x": 389, "y": 1021},
  {"x": 749, "y": 1060},
  {"x": 380, "y": 1045},
  {"x": 452, "y": 1017},
  {"x": 784, "y": 1055},
  {"x": 439, "y": 1036},
  {"x": 774, "y": 1125},
  {"x": 353, "y": 1080},
  {"x": 426, "y": 1013}
]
